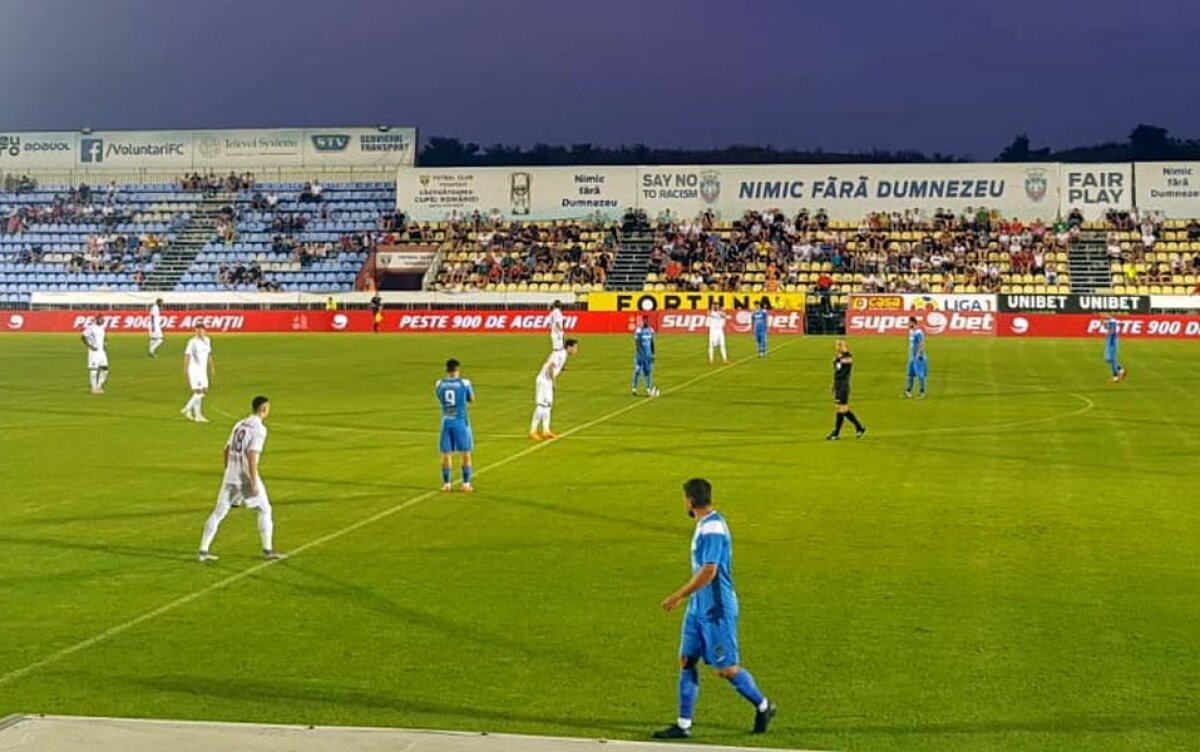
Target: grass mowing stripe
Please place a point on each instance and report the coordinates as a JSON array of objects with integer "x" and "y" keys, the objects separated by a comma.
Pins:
[{"x": 11, "y": 676}]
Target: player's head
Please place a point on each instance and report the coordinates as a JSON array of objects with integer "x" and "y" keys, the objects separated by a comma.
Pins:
[
  {"x": 646, "y": 321},
  {"x": 260, "y": 406},
  {"x": 697, "y": 495},
  {"x": 713, "y": 305},
  {"x": 912, "y": 322},
  {"x": 200, "y": 330},
  {"x": 762, "y": 305},
  {"x": 158, "y": 301},
  {"x": 452, "y": 366},
  {"x": 841, "y": 346},
  {"x": 571, "y": 346},
  {"x": 556, "y": 304}
]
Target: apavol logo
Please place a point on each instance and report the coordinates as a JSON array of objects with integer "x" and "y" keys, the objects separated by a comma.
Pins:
[
  {"x": 330, "y": 142},
  {"x": 91, "y": 150}
]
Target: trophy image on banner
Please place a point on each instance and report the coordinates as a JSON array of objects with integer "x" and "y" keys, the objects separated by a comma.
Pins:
[{"x": 519, "y": 193}]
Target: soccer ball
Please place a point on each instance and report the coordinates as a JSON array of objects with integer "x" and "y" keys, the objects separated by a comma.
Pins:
[{"x": 654, "y": 392}]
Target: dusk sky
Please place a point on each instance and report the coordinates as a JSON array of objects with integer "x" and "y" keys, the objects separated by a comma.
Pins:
[{"x": 959, "y": 76}]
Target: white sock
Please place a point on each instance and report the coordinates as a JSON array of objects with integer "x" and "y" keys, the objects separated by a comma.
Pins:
[
  {"x": 546, "y": 419},
  {"x": 199, "y": 400},
  {"x": 212, "y": 524},
  {"x": 723, "y": 355},
  {"x": 710, "y": 352},
  {"x": 154, "y": 345},
  {"x": 103, "y": 373},
  {"x": 762, "y": 706},
  {"x": 683, "y": 723},
  {"x": 191, "y": 404},
  {"x": 92, "y": 379},
  {"x": 266, "y": 528},
  {"x": 537, "y": 419}
]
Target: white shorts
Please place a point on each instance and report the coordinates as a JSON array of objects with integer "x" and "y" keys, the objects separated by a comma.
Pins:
[
  {"x": 545, "y": 392},
  {"x": 198, "y": 379},
  {"x": 237, "y": 494},
  {"x": 716, "y": 339},
  {"x": 97, "y": 359}
]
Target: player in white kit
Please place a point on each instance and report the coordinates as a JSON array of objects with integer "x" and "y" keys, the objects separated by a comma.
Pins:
[
  {"x": 155, "y": 326},
  {"x": 94, "y": 335},
  {"x": 716, "y": 332},
  {"x": 557, "y": 326},
  {"x": 544, "y": 392},
  {"x": 198, "y": 366},
  {"x": 242, "y": 485}
]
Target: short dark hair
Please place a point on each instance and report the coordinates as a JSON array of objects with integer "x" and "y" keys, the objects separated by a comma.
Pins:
[
  {"x": 556, "y": 304},
  {"x": 645, "y": 321},
  {"x": 452, "y": 365},
  {"x": 571, "y": 343},
  {"x": 699, "y": 493},
  {"x": 257, "y": 403},
  {"x": 912, "y": 319}
]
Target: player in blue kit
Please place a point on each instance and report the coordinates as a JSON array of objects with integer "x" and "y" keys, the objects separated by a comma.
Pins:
[
  {"x": 1112, "y": 329},
  {"x": 918, "y": 361},
  {"x": 759, "y": 319},
  {"x": 454, "y": 393},
  {"x": 710, "y": 623},
  {"x": 643, "y": 358}
]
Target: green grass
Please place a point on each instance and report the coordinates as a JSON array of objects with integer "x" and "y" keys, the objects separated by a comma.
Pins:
[{"x": 1009, "y": 565}]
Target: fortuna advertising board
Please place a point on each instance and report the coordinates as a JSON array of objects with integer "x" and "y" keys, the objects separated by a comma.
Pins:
[{"x": 692, "y": 301}]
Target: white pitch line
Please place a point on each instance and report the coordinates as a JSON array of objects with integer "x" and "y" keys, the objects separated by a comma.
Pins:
[{"x": 111, "y": 632}]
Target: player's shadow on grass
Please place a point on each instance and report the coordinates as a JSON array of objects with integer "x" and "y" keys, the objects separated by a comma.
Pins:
[
  {"x": 351, "y": 594},
  {"x": 590, "y": 513},
  {"x": 322, "y": 698},
  {"x": 144, "y": 552}
]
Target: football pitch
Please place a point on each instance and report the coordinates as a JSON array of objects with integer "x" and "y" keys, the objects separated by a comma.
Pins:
[{"x": 1011, "y": 564}]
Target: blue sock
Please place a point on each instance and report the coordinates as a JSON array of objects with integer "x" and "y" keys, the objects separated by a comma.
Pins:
[
  {"x": 922, "y": 386},
  {"x": 1116, "y": 368},
  {"x": 689, "y": 690},
  {"x": 466, "y": 473},
  {"x": 649, "y": 380},
  {"x": 445, "y": 475},
  {"x": 743, "y": 682},
  {"x": 637, "y": 372},
  {"x": 908, "y": 385}
]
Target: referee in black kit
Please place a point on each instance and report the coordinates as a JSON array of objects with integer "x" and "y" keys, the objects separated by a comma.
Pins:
[{"x": 843, "y": 363}]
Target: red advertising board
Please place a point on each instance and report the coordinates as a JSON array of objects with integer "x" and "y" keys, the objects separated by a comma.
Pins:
[
  {"x": 935, "y": 323},
  {"x": 1142, "y": 326},
  {"x": 413, "y": 321}
]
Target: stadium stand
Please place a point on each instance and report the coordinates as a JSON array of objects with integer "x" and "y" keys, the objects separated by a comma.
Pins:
[
  {"x": 66, "y": 238},
  {"x": 530, "y": 256}
]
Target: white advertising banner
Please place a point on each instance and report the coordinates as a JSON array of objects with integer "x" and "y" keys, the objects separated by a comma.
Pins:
[
  {"x": 1170, "y": 187},
  {"x": 1096, "y": 188},
  {"x": 209, "y": 149},
  {"x": 516, "y": 193},
  {"x": 845, "y": 192},
  {"x": 20, "y": 151},
  {"x": 850, "y": 192}
]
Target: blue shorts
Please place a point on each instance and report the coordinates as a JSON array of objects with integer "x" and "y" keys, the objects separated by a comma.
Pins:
[
  {"x": 760, "y": 335},
  {"x": 714, "y": 640},
  {"x": 456, "y": 437},
  {"x": 643, "y": 366},
  {"x": 918, "y": 369}
]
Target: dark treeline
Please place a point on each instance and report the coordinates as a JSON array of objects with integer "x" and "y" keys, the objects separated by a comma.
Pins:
[{"x": 1146, "y": 143}]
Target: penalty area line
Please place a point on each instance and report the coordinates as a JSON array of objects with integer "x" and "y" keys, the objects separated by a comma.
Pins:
[{"x": 11, "y": 676}]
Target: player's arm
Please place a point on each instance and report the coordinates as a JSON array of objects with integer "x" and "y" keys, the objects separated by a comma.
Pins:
[
  {"x": 702, "y": 578},
  {"x": 252, "y": 466},
  {"x": 212, "y": 366}
]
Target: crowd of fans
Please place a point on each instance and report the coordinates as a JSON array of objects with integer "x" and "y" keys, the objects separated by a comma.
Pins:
[
  {"x": 212, "y": 184},
  {"x": 949, "y": 250},
  {"x": 238, "y": 275},
  {"x": 507, "y": 253}
]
